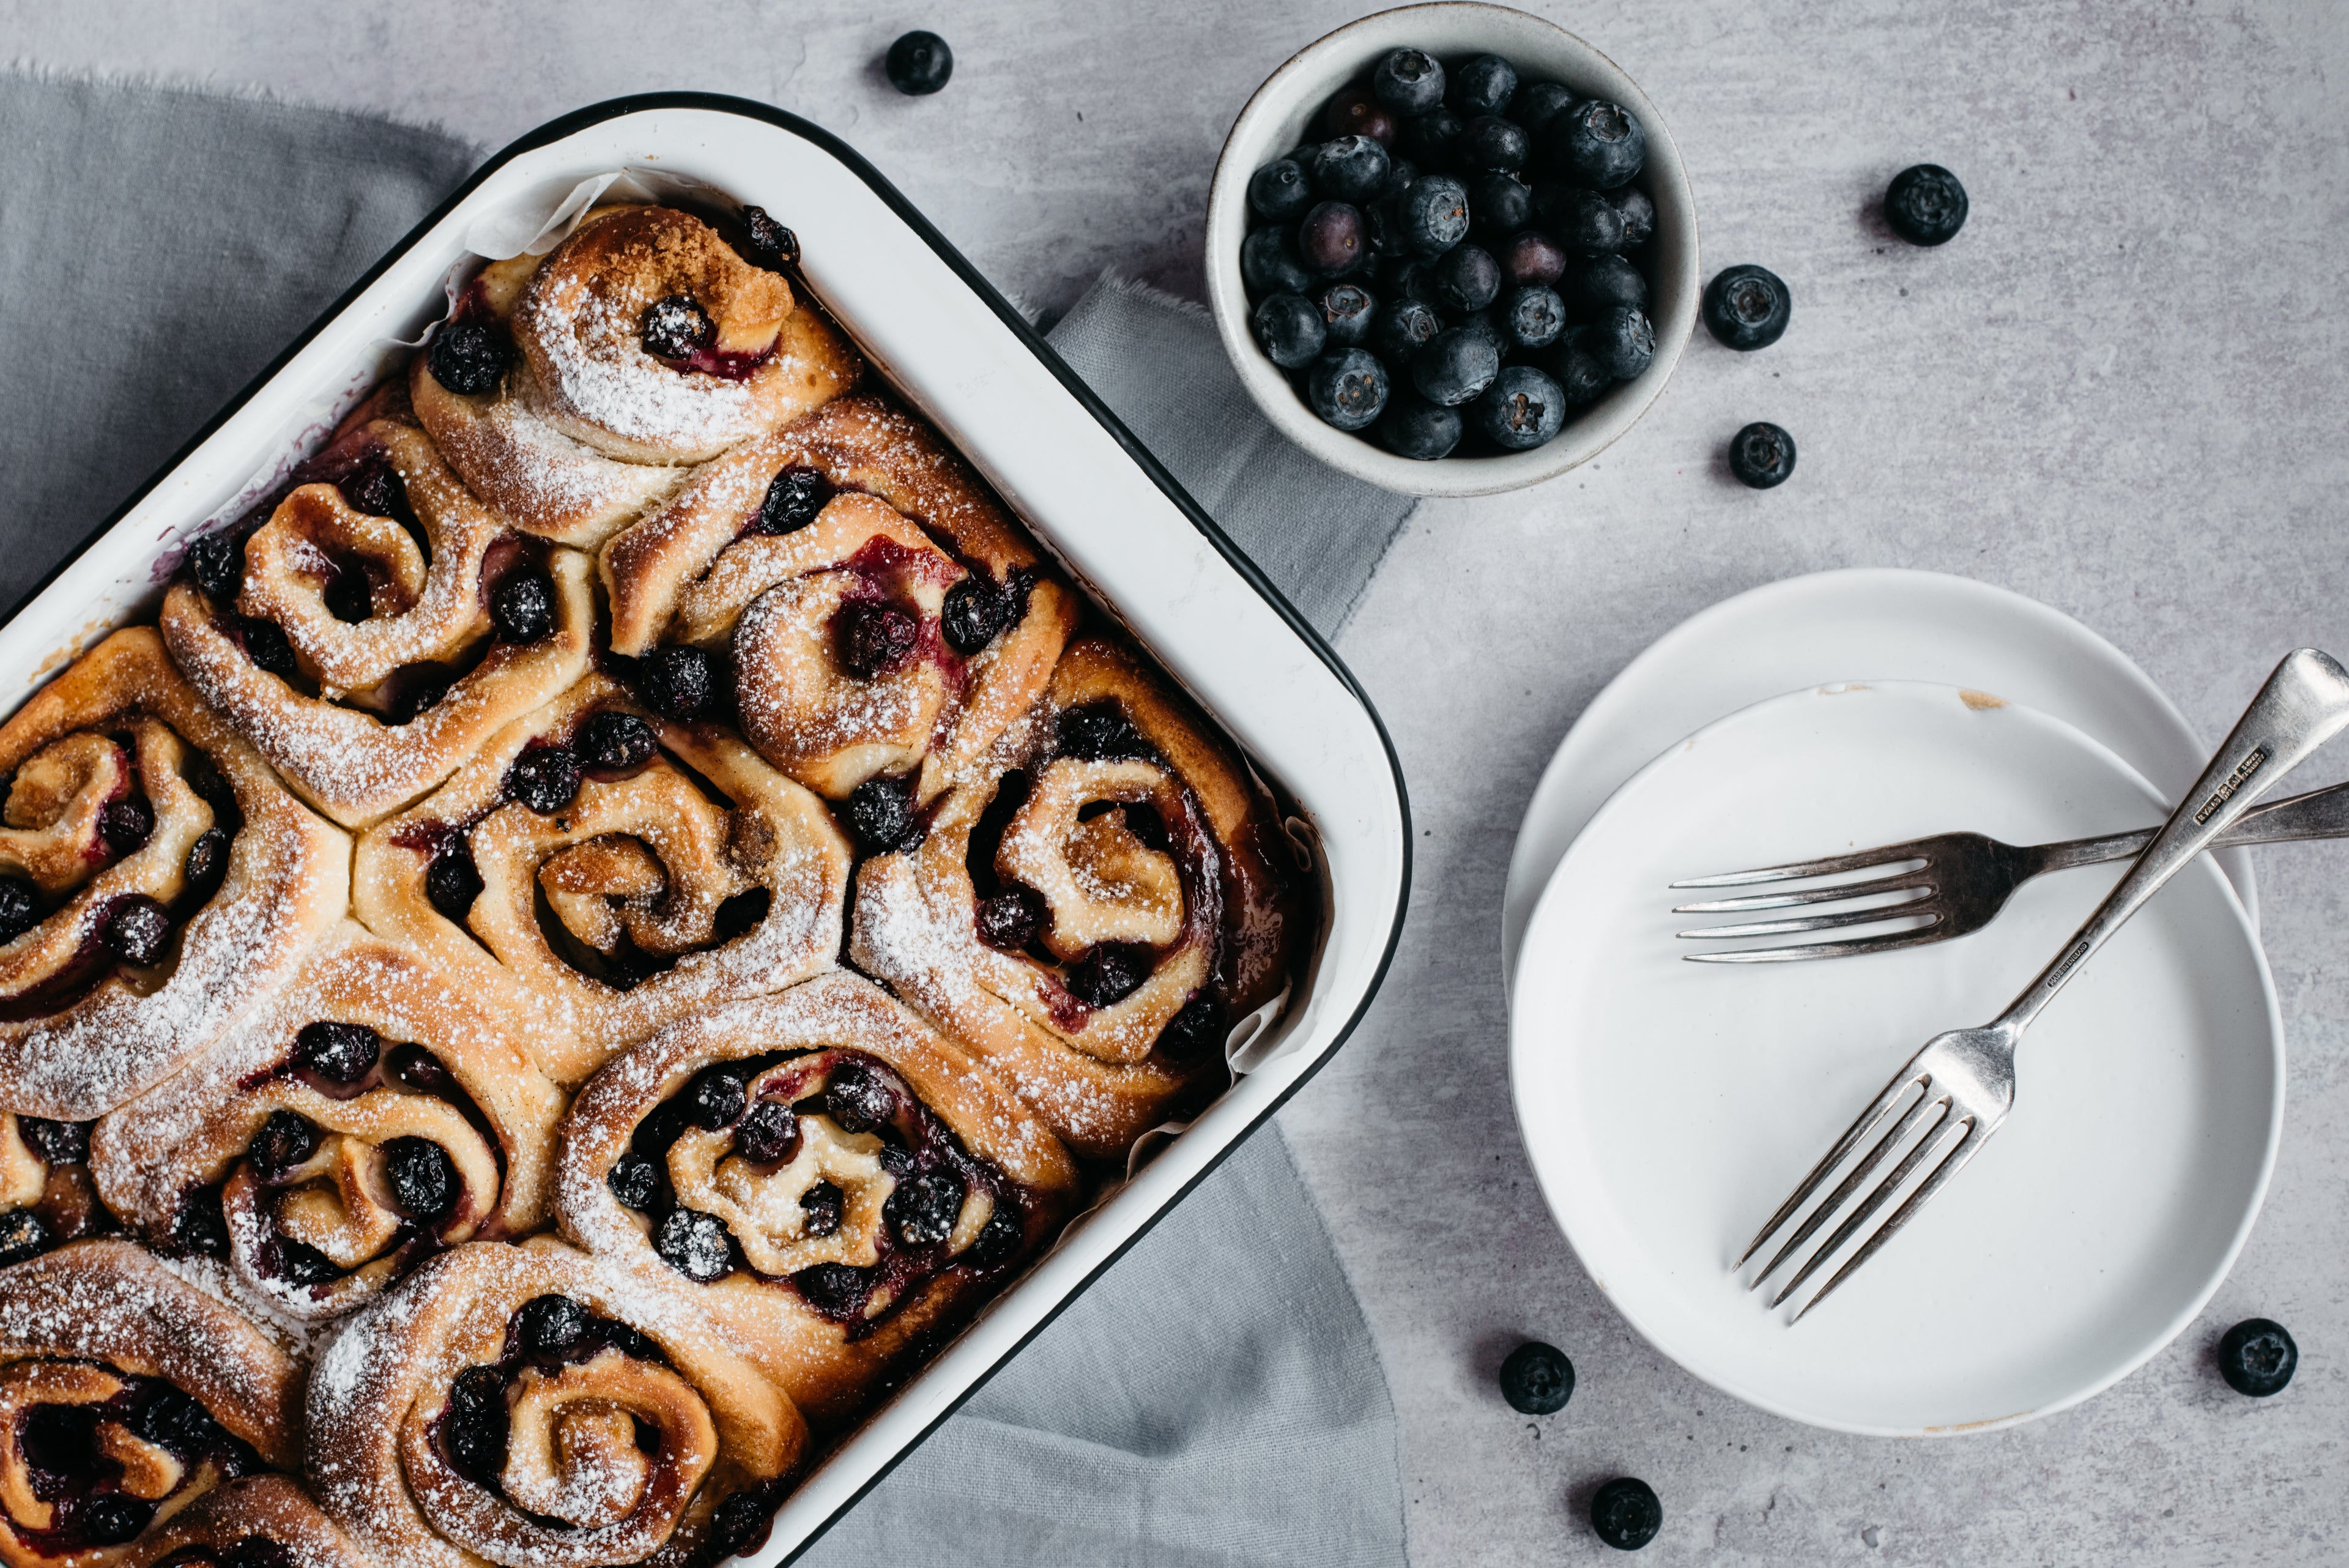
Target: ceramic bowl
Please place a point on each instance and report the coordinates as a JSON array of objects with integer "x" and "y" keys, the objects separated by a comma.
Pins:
[{"x": 1276, "y": 120}]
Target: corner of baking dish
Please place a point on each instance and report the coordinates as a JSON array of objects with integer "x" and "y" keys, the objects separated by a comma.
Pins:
[{"x": 954, "y": 349}]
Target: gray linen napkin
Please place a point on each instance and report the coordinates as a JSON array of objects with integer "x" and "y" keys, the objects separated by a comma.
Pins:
[
  {"x": 1157, "y": 362},
  {"x": 1215, "y": 1397}
]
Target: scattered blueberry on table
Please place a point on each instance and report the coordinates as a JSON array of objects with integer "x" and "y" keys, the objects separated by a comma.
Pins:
[
  {"x": 1536, "y": 1379},
  {"x": 2258, "y": 1357},
  {"x": 1747, "y": 307},
  {"x": 1467, "y": 244},
  {"x": 1761, "y": 455},
  {"x": 1625, "y": 1513},
  {"x": 1925, "y": 205},
  {"x": 919, "y": 64}
]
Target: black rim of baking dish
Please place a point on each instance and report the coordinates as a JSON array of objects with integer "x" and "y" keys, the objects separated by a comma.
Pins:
[{"x": 580, "y": 120}]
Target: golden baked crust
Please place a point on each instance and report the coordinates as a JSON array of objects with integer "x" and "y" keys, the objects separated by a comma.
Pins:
[
  {"x": 221, "y": 1527},
  {"x": 575, "y": 1488},
  {"x": 82, "y": 1027},
  {"x": 101, "y": 1323},
  {"x": 897, "y": 1292},
  {"x": 420, "y": 1060},
  {"x": 636, "y": 868}
]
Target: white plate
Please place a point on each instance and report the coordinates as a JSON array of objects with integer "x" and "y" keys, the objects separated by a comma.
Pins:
[
  {"x": 1866, "y": 624},
  {"x": 1668, "y": 1107}
]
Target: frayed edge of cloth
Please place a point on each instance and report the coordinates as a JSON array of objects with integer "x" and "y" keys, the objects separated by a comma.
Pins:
[{"x": 235, "y": 92}]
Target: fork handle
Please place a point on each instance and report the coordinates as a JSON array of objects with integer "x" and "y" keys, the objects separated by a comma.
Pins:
[
  {"x": 2319, "y": 813},
  {"x": 2305, "y": 704}
]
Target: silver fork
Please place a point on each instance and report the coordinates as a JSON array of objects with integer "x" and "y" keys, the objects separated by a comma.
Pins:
[
  {"x": 1953, "y": 883},
  {"x": 1957, "y": 1090}
]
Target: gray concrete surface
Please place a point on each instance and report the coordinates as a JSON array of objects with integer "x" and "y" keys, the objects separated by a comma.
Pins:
[{"x": 2121, "y": 390}]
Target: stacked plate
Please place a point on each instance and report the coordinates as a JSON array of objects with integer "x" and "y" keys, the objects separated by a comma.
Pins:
[{"x": 1668, "y": 1107}]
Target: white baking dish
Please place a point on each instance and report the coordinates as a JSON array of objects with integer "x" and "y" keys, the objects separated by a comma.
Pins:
[{"x": 959, "y": 352}]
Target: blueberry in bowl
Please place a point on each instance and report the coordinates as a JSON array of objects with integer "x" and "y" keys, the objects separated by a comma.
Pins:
[{"x": 1493, "y": 232}]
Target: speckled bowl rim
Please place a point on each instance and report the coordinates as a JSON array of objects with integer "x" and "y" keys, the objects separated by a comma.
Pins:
[{"x": 1272, "y": 121}]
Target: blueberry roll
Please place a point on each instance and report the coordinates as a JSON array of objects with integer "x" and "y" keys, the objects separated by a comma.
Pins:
[
  {"x": 263, "y": 1522},
  {"x": 380, "y": 625},
  {"x": 524, "y": 1406},
  {"x": 597, "y": 872},
  {"x": 125, "y": 1395},
  {"x": 881, "y": 618},
  {"x": 373, "y": 1114},
  {"x": 156, "y": 879},
  {"x": 1093, "y": 916},
  {"x": 821, "y": 1172},
  {"x": 573, "y": 392}
]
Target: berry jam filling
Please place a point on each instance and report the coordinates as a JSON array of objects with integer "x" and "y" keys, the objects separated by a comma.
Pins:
[
  {"x": 548, "y": 1332},
  {"x": 872, "y": 638},
  {"x": 71, "y": 1458},
  {"x": 343, "y": 1061},
  {"x": 130, "y": 930},
  {"x": 67, "y": 1208},
  {"x": 772, "y": 1106},
  {"x": 678, "y": 332}
]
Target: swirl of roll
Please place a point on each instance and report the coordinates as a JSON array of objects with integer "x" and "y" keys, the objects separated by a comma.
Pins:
[
  {"x": 1095, "y": 916},
  {"x": 570, "y": 391},
  {"x": 371, "y": 1115},
  {"x": 263, "y": 1522},
  {"x": 126, "y": 1394},
  {"x": 380, "y": 625},
  {"x": 525, "y": 1406},
  {"x": 597, "y": 872},
  {"x": 828, "y": 1177},
  {"x": 880, "y": 612},
  {"x": 156, "y": 878}
]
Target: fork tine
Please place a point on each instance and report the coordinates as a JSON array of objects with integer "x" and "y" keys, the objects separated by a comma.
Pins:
[
  {"x": 1845, "y": 948},
  {"x": 1875, "y": 1200},
  {"x": 1964, "y": 1150},
  {"x": 1859, "y": 1128},
  {"x": 1873, "y": 888},
  {"x": 1850, "y": 1184},
  {"x": 1860, "y": 860},
  {"x": 1908, "y": 910}
]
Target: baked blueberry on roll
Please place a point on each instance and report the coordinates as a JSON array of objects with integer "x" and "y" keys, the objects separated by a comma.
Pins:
[
  {"x": 526, "y": 1406},
  {"x": 156, "y": 878},
  {"x": 573, "y": 390},
  {"x": 820, "y": 1171},
  {"x": 882, "y": 620},
  {"x": 126, "y": 1394},
  {"x": 380, "y": 624},
  {"x": 265, "y": 1522},
  {"x": 1096, "y": 913},
  {"x": 46, "y": 1196},
  {"x": 373, "y": 1113},
  {"x": 598, "y": 871}
]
